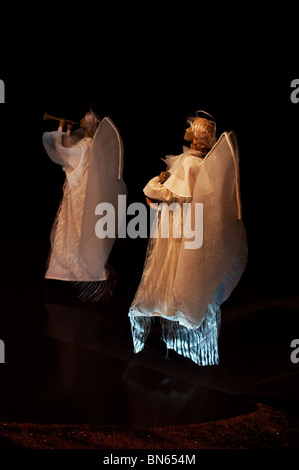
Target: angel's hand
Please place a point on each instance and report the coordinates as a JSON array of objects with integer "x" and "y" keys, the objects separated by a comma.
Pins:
[
  {"x": 61, "y": 124},
  {"x": 164, "y": 175}
]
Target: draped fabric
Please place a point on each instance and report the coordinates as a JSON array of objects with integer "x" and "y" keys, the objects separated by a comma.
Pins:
[
  {"x": 184, "y": 286},
  {"x": 93, "y": 169}
]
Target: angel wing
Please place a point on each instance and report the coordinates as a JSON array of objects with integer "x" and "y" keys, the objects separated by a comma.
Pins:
[
  {"x": 214, "y": 269},
  {"x": 104, "y": 184}
]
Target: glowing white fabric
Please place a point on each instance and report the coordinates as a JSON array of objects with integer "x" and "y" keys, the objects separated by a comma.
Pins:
[
  {"x": 186, "y": 287},
  {"x": 93, "y": 170}
]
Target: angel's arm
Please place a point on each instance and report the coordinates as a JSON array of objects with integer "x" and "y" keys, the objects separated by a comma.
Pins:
[{"x": 155, "y": 192}]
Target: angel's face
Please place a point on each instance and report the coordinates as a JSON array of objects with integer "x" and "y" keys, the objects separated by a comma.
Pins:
[
  {"x": 83, "y": 123},
  {"x": 189, "y": 135}
]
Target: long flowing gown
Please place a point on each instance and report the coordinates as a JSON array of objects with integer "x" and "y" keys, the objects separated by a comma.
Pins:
[
  {"x": 183, "y": 286},
  {"x": 93, "y": 168}
]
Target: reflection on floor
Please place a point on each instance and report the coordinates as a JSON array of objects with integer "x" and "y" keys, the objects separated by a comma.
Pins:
[
  {"x": 71, "y": 362},
  {"x": 67, "y": 361}
]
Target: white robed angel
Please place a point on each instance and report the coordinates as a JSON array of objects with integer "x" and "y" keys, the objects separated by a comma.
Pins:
[
  {"x": 92, "y": 159},
  {"x": 184, "y": 286}
]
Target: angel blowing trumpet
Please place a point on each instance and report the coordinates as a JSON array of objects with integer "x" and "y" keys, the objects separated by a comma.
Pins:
[{"x": 93, "y": 173}]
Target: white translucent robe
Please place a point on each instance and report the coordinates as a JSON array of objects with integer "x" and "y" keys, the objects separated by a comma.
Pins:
[
  {"x": 186, "y": 287},
  {"x": 93, "y": 169}
]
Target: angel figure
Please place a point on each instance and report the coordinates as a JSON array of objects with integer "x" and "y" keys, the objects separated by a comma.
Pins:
[
  {"x": 184, "y": 285},
  {"x": 92, "y": 159}
]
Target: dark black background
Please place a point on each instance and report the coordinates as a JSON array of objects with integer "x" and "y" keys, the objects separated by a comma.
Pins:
[{"x": 149, "y": 69}]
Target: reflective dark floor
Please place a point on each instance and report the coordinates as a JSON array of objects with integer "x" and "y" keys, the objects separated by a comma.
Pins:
[{"x": 67, "y": 361}]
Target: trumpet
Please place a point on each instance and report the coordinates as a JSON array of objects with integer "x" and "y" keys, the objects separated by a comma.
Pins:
[{"x": 67, "y": 121}]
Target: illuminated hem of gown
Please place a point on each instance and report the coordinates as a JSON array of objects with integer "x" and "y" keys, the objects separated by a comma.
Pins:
[{"x": 155, "y": 298}]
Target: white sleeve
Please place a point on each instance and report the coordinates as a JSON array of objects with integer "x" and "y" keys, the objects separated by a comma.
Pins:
[
  {"x": 157, "y": 191},
  {"x": 66, "y": 156},
  {"x": 181, "y": 182},
  {"x": 51, "y": 141}
]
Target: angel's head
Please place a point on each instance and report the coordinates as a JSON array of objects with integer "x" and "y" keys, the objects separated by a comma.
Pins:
[
  {"x": 90, "y": 122},
  {"x": 201, "y": 133}
]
